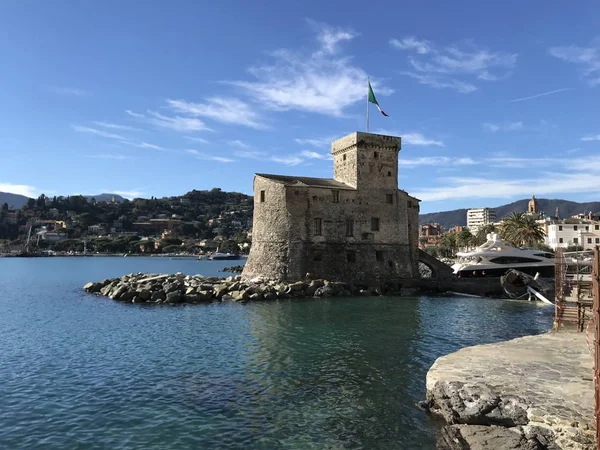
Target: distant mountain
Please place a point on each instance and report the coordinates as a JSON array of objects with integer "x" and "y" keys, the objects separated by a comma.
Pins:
[
  {"x": 105, "y": 197},
  {"x": 565, "y": 209},
  {"x": 14, "y": 200}
]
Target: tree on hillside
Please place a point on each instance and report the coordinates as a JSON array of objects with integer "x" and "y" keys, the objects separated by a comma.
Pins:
[
  {"x": 464, "y": 238},
  {"x": 5, "y": 207}
]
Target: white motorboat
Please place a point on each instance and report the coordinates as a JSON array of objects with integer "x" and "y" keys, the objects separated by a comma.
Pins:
[{"x": 495, "y": 258}]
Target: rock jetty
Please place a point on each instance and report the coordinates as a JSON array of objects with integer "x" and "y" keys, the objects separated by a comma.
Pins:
[
  {"x": 179, "y": 288},
  {"x": 233, "y": 269},
  {"x": 533, "y": 393}
]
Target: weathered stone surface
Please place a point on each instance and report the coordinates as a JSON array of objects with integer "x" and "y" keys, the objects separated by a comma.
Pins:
[
  {"x": 158, "y": 296},
  {"x": 539, "y": 386},
  {"x": 479, "y": 437},
  {"x": 174, "y": 297}
]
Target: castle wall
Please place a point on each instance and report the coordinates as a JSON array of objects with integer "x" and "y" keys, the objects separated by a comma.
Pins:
[
  {"x": 270, "y": 232},
  {"x": 285, "y": 244}
]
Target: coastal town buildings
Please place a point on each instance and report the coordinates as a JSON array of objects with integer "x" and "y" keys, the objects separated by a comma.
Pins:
[
  {"x": 429, "y": 234},
  {"x": 478, "y": 217},
  {"x": 355, "y": 226}
]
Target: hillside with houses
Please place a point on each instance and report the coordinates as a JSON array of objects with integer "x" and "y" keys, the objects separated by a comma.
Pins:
[{"x": 192, "y": 223}]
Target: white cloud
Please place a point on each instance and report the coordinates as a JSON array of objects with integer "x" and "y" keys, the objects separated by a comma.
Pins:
[
  {"x": 509, "y": 126},
  {"x": 221, "y": 109},
  {"x": 20, "y": 189},
  {"x": 586, "y": 58},
  {"x": 114, "y": 126},
  {"x": 77, "y": 92},
  {"x": 591, "y": 138},
  {"x": 206, "y": 157},
  {"x": 410, "y": 43},
  {"x": 176, "y": 123},
  {"x": 290, "y": 160},
  {"x": 440, "y": 82},
  {"x": 239, "y": 144},
  {"x": 197, "y": 139},
  {"x": 329, "y": 37},
  {"x": 106, "y": 134},
  {"x": 127, "y": 194},
  {"x": 250, "y": 154},
  {"x": 117, "y": 157},
  {"x": 411, "y": 138},
  {"x": 147, "y": 145},
  {"x": 315, "y": 155},
  {"x": 320, "y": 82},
  {"x": 539, "y": 95},
  {"x": 436, "y": 161},
  {"x": 443, "y": 67},
  {"x": 316, "y": 142}
]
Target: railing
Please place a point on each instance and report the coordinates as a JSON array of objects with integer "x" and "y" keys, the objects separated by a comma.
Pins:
[{"x": 596, "y": 319}]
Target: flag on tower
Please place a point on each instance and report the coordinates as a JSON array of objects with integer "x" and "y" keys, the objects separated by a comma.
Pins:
[{"x": 373, "y": 100}]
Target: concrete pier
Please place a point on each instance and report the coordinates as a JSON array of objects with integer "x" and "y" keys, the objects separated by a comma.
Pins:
[{"x": 534, "y": 392}]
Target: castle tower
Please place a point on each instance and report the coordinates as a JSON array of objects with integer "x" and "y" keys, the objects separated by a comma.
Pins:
[
  {"x": 532, "y": 208},
  {"x": 366, "y": 160}
]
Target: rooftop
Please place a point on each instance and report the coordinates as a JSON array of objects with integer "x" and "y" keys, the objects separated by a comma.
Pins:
[{"x": 307, "y": 181}]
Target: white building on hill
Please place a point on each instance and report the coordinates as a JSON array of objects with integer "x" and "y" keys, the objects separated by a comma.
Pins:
[{"x": 478, "y": 217}]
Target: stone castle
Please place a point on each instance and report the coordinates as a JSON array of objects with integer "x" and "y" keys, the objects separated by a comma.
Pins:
[{"x": 356, "y": 227}]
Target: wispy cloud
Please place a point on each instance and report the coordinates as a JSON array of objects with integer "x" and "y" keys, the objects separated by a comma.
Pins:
[
  {"x": 221, "y": 109},
  {"x": 556, "y": 91},
  {"x": 206, "y": 157},
  {"x": 20, "y": 189},
  {"x": 62, "y": 90},
  {"x": 316, "y": 142},
  {"x": 114, "y": 126},
  {"x": 422, "y": 47},
  {"x": 321, "y": 82},
  {"x": 102, "y": 133},
  {"x": 290, "y": 160},
  {"x": 329, "y": 37},
  {"x": 586, "y": 58},
  {"x": 591, "y": 138},
  {"x": 315, "y": 155},
  {"x": 127, "y": 194},
  {"x": 413, "y": 138},
  {"x": 117, "y": 157},
  {"x": 176, "y": 123},
  {"x": 557, "y": 176},
  {"x": 147, "y": 145},
  {"x": 444, "y": 67},
  {"x": 508, "y": 126},
  {"x": 436, "y": 161},
  {"x": 197, "y": 139},
  {"x": 239, "y": 144},
  {"x": 249, "y": 154}
]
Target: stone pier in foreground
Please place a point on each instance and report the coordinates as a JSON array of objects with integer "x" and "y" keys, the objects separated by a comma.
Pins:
[{"x": 532, "y": 393}]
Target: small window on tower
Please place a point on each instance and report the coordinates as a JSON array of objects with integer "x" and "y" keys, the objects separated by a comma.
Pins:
[
  {"x": 262, "y": 196},
  {"x": 351, "y": 257},
  {"x": 389, "y": 198},
  {"x": 389, "y": 173},
  {"x": 375, "y": 154},
  {"x": 318, "y": 257},
  {"x": 336, "y": 196},
  {"x": 344, "y": 157},
  {"x": 374, "y": 223},
  {"x": 317, "y": 227},
  {"x": 379, "y": 255},
  {"x": 410, "y": 204}
]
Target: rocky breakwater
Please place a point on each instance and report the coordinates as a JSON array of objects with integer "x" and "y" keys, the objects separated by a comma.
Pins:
[
  {"x": 178, "y": 288},
  {"x": 532, "y": 393}
]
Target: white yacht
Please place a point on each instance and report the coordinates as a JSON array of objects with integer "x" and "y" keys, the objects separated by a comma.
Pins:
[{"x": 495, "y": 258}]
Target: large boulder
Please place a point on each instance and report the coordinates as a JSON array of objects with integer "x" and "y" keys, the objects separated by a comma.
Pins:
[
  {"x": 220, "y": 290},
  {"x": 313, "y": 286},
  {"x": 174, "y": 297},
  {"x": 158, "y": 296},
  {"x": 118, "y": 291},
  {"x": 144, "y": 294}
]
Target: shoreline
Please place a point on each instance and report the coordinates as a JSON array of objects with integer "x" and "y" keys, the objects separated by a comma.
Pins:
[{"x": 533, "y": 392}]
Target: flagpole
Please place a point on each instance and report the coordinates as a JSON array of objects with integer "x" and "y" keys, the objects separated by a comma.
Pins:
[{"x": 367, "y": 104}]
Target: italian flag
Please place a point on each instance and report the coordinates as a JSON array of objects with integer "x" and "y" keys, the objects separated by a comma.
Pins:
[{"x": 373, "y": 100}]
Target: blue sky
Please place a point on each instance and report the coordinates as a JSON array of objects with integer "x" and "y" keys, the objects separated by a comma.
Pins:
[{"x": 494, "y": 100}]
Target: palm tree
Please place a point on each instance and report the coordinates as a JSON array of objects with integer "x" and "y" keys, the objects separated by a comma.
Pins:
[
  {"x": 464, "y": 238},
  {"x": 519, "y": 229},
  {"x": 481, "y": 236}
]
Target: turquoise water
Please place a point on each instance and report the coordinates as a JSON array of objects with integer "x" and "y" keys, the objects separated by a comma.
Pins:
[{"x": 80, "y": 371}]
